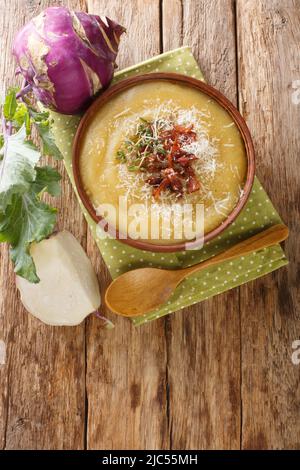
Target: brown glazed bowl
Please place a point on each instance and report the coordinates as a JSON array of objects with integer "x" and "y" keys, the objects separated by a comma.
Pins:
[{"x": 188, "y": 81}]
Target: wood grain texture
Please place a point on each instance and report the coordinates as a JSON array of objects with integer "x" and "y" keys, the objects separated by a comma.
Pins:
[
  {"x": 204, "y": 340},
  {"x": 208, "y": 27},
  {"x": 269, "y": 49},
  {"x": 204, "y": 377},
  {"x": 126, "y": 367},
  {"x": 42, "y": 384}
]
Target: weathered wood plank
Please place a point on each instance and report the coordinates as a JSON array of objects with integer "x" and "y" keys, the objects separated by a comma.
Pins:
[
  {"x": 269, "y": 49},
  {"x": 42, "y": 382},
  {"x": 126, "y": 367},
  {"x": 209, "y": 28},
  {"x": 204, "y": 340}
]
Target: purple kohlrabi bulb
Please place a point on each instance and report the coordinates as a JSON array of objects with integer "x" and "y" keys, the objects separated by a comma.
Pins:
[{"x": 67, "y": 56}]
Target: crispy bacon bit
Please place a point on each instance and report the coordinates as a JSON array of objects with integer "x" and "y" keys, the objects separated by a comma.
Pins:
[
  {"x": 176, "y": 183},
  {"x": 186, "y": 159},
  {"x": 163, "y": 185},
  {"x": 154, "y": 180},
  {"x": 192, "y": 184}
]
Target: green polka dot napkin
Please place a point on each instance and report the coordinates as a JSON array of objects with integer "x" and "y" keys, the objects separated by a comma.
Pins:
[{"x": 258, "y": 214}]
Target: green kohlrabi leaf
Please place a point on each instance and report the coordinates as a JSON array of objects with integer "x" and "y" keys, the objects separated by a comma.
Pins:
[
  {"x": 24, "y": 218},
  {"x": 21, "y": 117},
  {"x": 49, "y": 145},
  {"x": 27, "y": 219},
  {"x": 17, "y": 168},
  {"x": 47, "y": 179},
  {"x": 38, "y": 116},
  {"x": 10, "y": 104}
]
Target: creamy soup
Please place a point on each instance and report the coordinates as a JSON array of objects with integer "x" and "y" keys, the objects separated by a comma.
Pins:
[{"x": 165, "y": 146}]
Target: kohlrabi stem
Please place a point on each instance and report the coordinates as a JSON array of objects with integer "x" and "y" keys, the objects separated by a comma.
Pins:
[
  {"x": 4, "y": 128},
  {"x": 7, "y": 127},
  {"x": 108, "y": 324},
  {"x": 24, "y": 90},
  {"x": 7, "y": 130}
]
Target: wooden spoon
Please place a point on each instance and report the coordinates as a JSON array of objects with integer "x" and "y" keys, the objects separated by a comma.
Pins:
[{"x": 142, "y": 290}]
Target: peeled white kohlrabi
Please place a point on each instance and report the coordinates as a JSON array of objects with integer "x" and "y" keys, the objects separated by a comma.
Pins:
[{"x": 68, "y": 290}]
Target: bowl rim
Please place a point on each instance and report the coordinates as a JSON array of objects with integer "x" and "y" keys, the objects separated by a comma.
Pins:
[{"x": 173, "y": 78}]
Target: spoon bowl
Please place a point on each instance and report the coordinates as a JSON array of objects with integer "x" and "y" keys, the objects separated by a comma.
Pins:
[{"x": 143, "y": 288}]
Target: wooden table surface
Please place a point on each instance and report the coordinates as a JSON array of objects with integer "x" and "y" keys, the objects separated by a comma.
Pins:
[{"x": 218, "y": 375}]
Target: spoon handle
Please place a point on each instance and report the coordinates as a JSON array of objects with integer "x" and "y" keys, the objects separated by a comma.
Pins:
[{"x": 264, "y": 239}]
